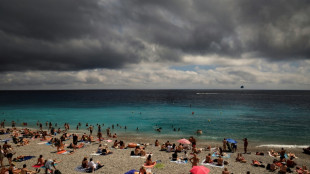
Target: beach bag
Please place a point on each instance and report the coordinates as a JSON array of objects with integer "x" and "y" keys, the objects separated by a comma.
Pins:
[
  {"x": 132, "y": 153},
  {"x": 57, "y": 172}
]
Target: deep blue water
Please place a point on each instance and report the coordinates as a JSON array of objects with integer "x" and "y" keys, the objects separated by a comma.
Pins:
[{"x": 274, "y": 117}]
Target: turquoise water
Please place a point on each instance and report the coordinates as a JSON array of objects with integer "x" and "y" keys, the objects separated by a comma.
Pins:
[{"x": 265, "y": 117}]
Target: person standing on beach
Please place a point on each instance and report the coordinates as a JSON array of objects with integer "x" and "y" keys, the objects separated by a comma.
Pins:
[
  {"x": 194, "y": 160},
  {"x": 75, "y": 141},
  {"x": 91, "y": 129},
  {"x": 224, "y": 144},
  {"x": 245, "y": 144}
]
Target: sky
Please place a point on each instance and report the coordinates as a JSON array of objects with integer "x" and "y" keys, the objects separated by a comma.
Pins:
[{"x": 154, "y": 44}]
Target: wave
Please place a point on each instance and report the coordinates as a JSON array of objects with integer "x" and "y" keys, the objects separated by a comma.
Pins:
[{"x": 284, "y": 146}]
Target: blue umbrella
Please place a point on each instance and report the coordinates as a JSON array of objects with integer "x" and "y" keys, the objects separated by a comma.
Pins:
[
  {"x": 231, "y": 141},
  {"x": 131, "y": 172}
]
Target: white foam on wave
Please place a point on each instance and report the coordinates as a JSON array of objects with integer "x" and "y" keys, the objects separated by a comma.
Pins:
[{"x": 284, "y": 146}]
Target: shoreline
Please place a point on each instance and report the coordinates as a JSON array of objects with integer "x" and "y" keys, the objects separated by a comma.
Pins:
[{"x": 156, "y": 135}]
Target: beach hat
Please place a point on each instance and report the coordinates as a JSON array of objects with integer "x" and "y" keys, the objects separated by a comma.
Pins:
[{"x": 105, "y": 144}]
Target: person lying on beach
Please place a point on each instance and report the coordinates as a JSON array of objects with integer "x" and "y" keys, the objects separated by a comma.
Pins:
[
  {"x": 194, "y": 160},
  {"x": 291, "y": 155},
  {"x": 273, "y": 153},
  {"x": 195, "y": 150},
  {"x": 225, "y": 171},
  {"x": 257, "y": 163},
  {"x": 240, "y": 158},
  {"x": 208, "y": 159},
  {"x": 149, "y": 161},
  {"x": 260, "y": 153},
  {"x": 24, "y": 170}
]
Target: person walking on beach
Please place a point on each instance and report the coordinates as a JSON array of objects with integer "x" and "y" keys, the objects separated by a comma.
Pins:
[{"x": 245, "y": 144}]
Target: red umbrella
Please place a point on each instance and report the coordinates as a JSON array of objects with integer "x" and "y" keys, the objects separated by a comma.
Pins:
[
  {"x": 199, "y": 170},
  {"x": 184, "y": 141}
]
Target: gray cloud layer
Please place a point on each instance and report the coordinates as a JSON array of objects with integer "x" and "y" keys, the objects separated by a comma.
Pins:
[{"x": 77, "y": 35}]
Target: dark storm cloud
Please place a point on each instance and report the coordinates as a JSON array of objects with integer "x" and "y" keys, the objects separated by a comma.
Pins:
[{"x": 74, "y": 35}]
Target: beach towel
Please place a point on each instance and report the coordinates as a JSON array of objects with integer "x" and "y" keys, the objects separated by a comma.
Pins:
[
  {"x": 95, "y": 154},
  {"x": 131, "y": 171},
  {"x": 41, "y": 143},
  {"x": 63, "y": 152},
  {"x": 23, "y": 159},
  {"x": 180, "y": 161},
  {"x": 211, "y": 164},
  {"x": 225, "y": 156},
  {"x": 135, "y": 156},
  {"x": 37, "y": 166},
  {"x": 8, "y": 139},
  {"x": 86, "y": 170}
]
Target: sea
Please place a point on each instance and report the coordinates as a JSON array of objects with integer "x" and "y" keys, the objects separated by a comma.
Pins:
[{"x": 264, "y": 117}]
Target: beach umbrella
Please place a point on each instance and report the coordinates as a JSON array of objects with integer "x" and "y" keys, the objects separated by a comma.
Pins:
[
  {"x": 199, "y": 170},
  {"x": 229, "y": 140},
  {"x": 184, "y": 141},
  {"x": 131, "y": 171}
]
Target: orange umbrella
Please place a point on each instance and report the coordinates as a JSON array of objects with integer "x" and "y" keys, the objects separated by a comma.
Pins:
[{"x": 199, "y": 170}]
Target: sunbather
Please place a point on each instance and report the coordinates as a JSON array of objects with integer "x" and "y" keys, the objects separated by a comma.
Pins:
[
  {"x": 137, "y": 151},
  {"x": 40, "y": 160},
  {"x": 24, "y": 170},
  {"x": 225, "y": 171},
  {"x": 149, "y": 161},
  {"x": 208, "y": 159},
  {"x": 85, "y": 162},
  {"x": 240, "y": 158},
  {"x": 283, "y": 169}
]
